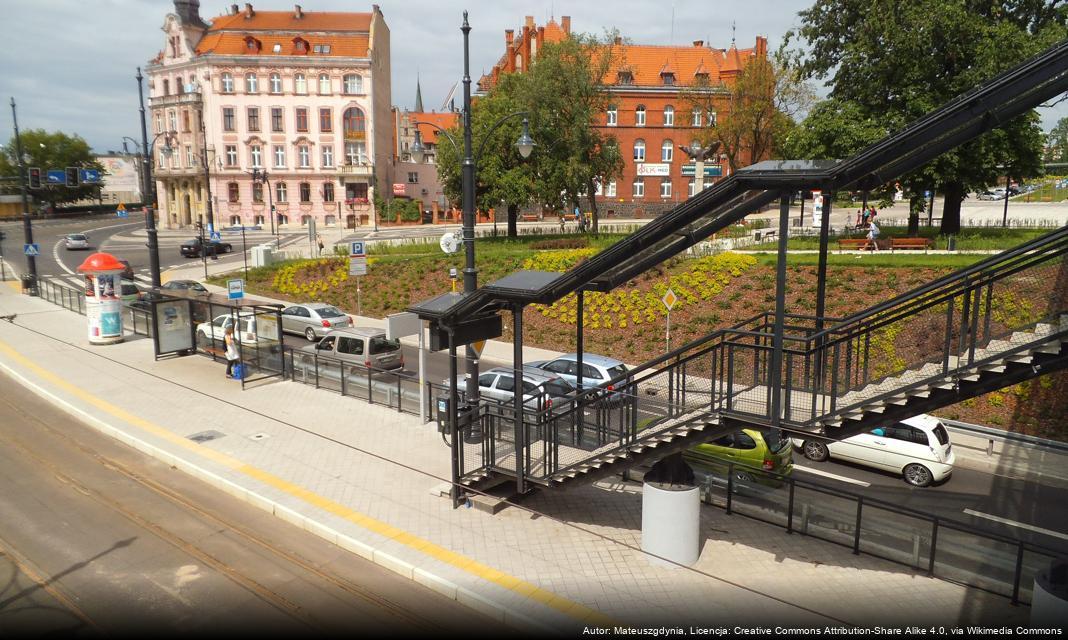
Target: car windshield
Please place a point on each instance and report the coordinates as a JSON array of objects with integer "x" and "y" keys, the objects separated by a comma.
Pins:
[
  {"x": 617, "y": 371},
  {"x": 129, "y": 288},
  {"x": 941, "y": 433},
  {"x": 76, "y": 236},
  {"x": 380, "y": 345},
  {"x": 775, "y": 439},
  {"x": 329, "y": 312},
  {"x": 557, "y": 389}
]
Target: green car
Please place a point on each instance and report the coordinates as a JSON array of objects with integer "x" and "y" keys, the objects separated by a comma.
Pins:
[{"x": 751, "y": 451}]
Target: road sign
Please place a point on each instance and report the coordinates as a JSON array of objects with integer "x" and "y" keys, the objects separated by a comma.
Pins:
[
  {"x": 91, "y": 176},
  {"x": 31, "y": 249},
  {"x": 120, "y": 211},
  {"x": 477, "y": 346},
  {"x": 669, "y": 299},
  {"x": 357, "y": 265},
  {"x": 56, "y": 176},
  {"x": 235, "y": 289},
  {"x": 216, "y": 236},
  {"x": 356, "y": 248}
]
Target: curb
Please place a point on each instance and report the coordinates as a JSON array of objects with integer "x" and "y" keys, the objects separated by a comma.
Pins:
[{"x": 403, "y": 568}]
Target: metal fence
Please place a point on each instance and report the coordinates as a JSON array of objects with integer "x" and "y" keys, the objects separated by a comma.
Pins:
[
  {"x": 135, "y": 319},
  {"x": 942, "y": 547},
  {"x": 395, "y": 389}
]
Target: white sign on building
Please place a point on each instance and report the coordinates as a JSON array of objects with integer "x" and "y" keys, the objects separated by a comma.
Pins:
[{"x": 654, "y": 169}]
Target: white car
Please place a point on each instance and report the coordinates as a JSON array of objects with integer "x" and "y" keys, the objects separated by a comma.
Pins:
[
  {"x": 76, "y": 241},
  {"x": 214, "y": 333},
  {"x": 918, "y": 448}
]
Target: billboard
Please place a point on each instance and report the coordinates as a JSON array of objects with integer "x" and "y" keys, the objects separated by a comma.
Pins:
[{"x": 120, "y": 174}]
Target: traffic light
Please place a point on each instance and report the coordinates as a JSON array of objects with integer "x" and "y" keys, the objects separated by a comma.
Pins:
[
  {"x": 72, "y": 176},
  {"x": 35, "y": 178}
]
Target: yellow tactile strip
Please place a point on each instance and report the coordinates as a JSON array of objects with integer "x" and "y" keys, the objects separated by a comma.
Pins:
[{"x": 477, "y": 569}]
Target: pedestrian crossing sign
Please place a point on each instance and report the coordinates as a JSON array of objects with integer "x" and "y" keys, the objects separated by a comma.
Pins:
[
  {"x": 216, "y": 236},
  {"x": 120, "y": 211},
  {"x": 31, "y": 249}
]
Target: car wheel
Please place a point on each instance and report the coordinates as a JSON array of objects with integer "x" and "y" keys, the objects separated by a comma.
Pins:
[
  {"x": 309, "y": 333},
  {"x": 227, "y": 248},
  {"x": 815, "y": 450},
  {"x": 743, "y": 476},
  {"x": 917, "y": 475}
]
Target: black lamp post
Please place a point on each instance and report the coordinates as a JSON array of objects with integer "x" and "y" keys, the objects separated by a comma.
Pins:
[
  {"x": 27, "y": 225},
  {"x": 149, "y": 186}
]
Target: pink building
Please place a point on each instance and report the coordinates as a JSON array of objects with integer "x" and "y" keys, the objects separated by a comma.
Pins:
[{"x": 302, "y": 96}]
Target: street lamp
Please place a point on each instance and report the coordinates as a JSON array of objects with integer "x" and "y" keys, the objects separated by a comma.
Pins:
[
  {"x": 27, "y": 225},
  {"x": 261, "y": 176},
  {"x": 149, "y": 184},
  {"x": 1005, "y": 213}
]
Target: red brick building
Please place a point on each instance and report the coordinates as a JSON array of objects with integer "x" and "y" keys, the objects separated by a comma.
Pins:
[{"x": 648, "y": 115}]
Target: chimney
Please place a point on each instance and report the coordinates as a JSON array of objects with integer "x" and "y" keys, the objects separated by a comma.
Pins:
[
  {"x": 297, "y": 13},
  {"x": 698, "y": 43},
  {"x": 529, "y": 22},
  {"x": 509, "y": 35},
  {"x": 233, "y": 9},
  {"x": 565, "y": 24},
  {"x": 618, "y": 40},
  {"x": 248, "y": 11},
  {"x": 188, "y": 11}
]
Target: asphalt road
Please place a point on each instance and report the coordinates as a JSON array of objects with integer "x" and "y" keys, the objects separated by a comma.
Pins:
[{"x": 98, "y": 539}]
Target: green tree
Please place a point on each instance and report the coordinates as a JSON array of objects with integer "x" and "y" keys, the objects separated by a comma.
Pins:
[
  {"x": 1057, "y": 142},
  {"x": 896, "y": 61},
  {"x": 46, "y": 150}
]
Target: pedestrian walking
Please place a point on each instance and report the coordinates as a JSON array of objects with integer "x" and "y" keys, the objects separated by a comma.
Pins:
[
  {"x": 864, "y": 218},
  {"x": 873, "y": 233},
  {"x": 857, "y": 223},
  {"x": 232, "y": 355},
  {"x": 319, "y": 241},
  {"x": 873, "y": 214}
]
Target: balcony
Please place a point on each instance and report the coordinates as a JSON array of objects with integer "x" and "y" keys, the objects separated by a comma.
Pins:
[
  {"x": 360, "y": 170},
  {"x": 189, "y": 97}
]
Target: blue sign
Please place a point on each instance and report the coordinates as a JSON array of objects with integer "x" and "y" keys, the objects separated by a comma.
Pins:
[
  {"x": 711, "y": 170},
  {"x": 356, "y": 248},
  {"x": 235, "y": 289},
  {"x": 56, "y": 176},
  {"x": 31, "y": 249},
  {"x": 122, "y": 213},
  {"x": 216, "y": 236},
  {"x": 89, "y": 175}
]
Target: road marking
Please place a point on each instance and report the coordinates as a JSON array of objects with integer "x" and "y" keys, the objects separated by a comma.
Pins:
[
  {"x": 368, "y": 523},
  {"x": 1013, "y": 523},
  {"x": 833, "y": 476}
]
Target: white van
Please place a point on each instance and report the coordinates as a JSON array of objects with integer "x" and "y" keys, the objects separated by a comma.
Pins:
[{"x": 917, "y": 448}]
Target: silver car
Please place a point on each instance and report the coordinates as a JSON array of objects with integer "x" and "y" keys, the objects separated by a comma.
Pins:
[
  {"x": 362, "y": 346},
  {"x": 76, "y": 241},
  {"x": 314, "y": 319},
  {"x": 498, "y": 383},
  {"x": 597, "y": 371}
]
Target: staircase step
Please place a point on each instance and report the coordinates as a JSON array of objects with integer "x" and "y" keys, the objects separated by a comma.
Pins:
[{"x": 899, "y": 400}]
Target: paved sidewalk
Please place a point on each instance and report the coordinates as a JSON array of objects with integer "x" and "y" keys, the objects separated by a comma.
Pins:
[{"x": 365, "y": 477}]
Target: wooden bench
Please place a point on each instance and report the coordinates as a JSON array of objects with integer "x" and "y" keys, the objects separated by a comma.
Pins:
[
  {"x": 910, "y": 243},
  {"x": 529, "y": 217},
  {"x": 852, "y": 243},
  {"x": 764, "y": 234}
]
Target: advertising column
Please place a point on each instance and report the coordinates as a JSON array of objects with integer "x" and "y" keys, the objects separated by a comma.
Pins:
[{"x": 103, "y": 301}]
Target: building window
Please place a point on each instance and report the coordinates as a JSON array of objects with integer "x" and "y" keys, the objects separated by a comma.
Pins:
[
  {"x": 190, "y": 161},
  {"x": 354, "y": 124},
  {"x": 610, "y": 190},
  {"x": 691, "y": 189},
  {"x": 228, "y": 119},
  {"x": 639, "y": 150},
  {"x": 277, "y": 123},
  {"x": 669, "y": 116},
  {"x": 326, "y": 121},
  {"x": 667, "y": 151},
  {"x": 227, "y": 83},
  {"x": 159, "y": 123},
  {"x": 613, "y": 116},
  {"x": 231, "y": 155},
  {"x": 166, "y": 87},
  {"x": 696, "y": 121},
  {"x": 185, "y": 120},
  {"x": 172, "y": 119},
  {"x": 328, "y": 192},
  {"x": 162, "y": 158},
  {"x": 280, "y": 192},
  {"x": 251, "y": 83},
  {"x": 328, "y": 156},
  {"x": 300, "y": 84},
  {"x": 256, "y": 156},
  {"x": 324, "y": 85},
  {"x": 413, "y": 177},
  {"x": 305, "y": 191},
  {"x": 355, "y": 153},
  {"x": 353, "y": 83},
  {"x": 302, "y": 119},
  {"x": 233, "y": 192},
  {"x": 711, "y": 118},
  {"x": 279, "y": 156},
  {"x": 639, "y": 116},
  {"x": 253, "y": 118},
  {"x": 665, "y": 187},
  {"x": 276, "y": 83},
  {"x": 638, "y": 188},
  {"x": 277, "y": 48},
  {"x": 304, "y": 154},
  {"x": 257, "y": 192}
]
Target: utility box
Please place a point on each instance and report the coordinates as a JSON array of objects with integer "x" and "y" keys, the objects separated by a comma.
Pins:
[{"x": 464, "y": 415}]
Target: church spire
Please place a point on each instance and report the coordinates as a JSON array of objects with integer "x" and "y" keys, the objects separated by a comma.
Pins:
[{"x": 418, "y": 95}]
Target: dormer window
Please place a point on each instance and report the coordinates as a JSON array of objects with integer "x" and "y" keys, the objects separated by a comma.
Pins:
[
  {"x": 300, "y": 45},
  {"x": 701, "y": 77},
  {"x": 624, "y": 77},
  {"x": 322, "y": 48},
  {"x": 668, "y": 79},
  {"x": 252, "y": 45},
  {"x": 277, "y": 48}
]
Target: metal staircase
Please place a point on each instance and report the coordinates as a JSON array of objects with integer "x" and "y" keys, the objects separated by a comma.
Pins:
[{"x": 992, "y": 325}]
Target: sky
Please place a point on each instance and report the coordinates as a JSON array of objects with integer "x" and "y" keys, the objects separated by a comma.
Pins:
[{"x": 71, "y": 64}]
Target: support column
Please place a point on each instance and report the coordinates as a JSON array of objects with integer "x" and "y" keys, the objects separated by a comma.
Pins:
[
  {"x": 517, "y": 397},
  {"x": 579, "y": 348},
  {"x": 454, "y": 404},
  {"x": 821, "y": 272},
  {"x": 775, "y": 375}
]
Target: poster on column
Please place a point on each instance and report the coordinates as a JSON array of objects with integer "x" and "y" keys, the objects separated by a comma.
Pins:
[
  {"x": 817, "y": 208},
  {"x": 103, "y": 310}
]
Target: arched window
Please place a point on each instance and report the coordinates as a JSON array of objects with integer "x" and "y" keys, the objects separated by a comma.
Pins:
[
  {"x": 353, "y": 83},
  {"x": 276, "y": 83},
  {"x": 667, "y": 151},
  {"x": 300, "y": 84},
  {"x": 251, "y": 83},
  {"x": 639, "y": 150},
  {"x": 612, "y": 117},
  {"x": 639, "y": 116},
  {"x": 669, "y": 116},
  {"x": 227, "y": 83},
  {"x": 355, "y": 123},
  {"x": 324, "y": 85},
  {"x": 235, "y": 221},
  {"x": 281, "y": 192}
]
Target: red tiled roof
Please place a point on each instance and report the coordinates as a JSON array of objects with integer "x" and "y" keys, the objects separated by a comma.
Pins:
[
  {"x": 647, "y": 62},
  {"x": 347, "y": 34},
  {"x": 445, "y": 120}
]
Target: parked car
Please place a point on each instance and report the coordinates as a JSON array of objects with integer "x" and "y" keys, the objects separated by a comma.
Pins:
[
  {"x": 129, "y": 291},
  {"x": 597, "y": 370},
  {"x": 146, "y": 299},
  {"x": 184, "y": 285},
  {"x": 362, "y": 346},
  {"x": 192, "y": 248},
  {"x": 214, "y": 333},
  {"x": 917, "y": 448},
  {"x": 750, "y": 450},
  {"x": 76, "y": 241},
  {"x": 499, "y": 384},
  {"x": 314, "y": 319}
]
